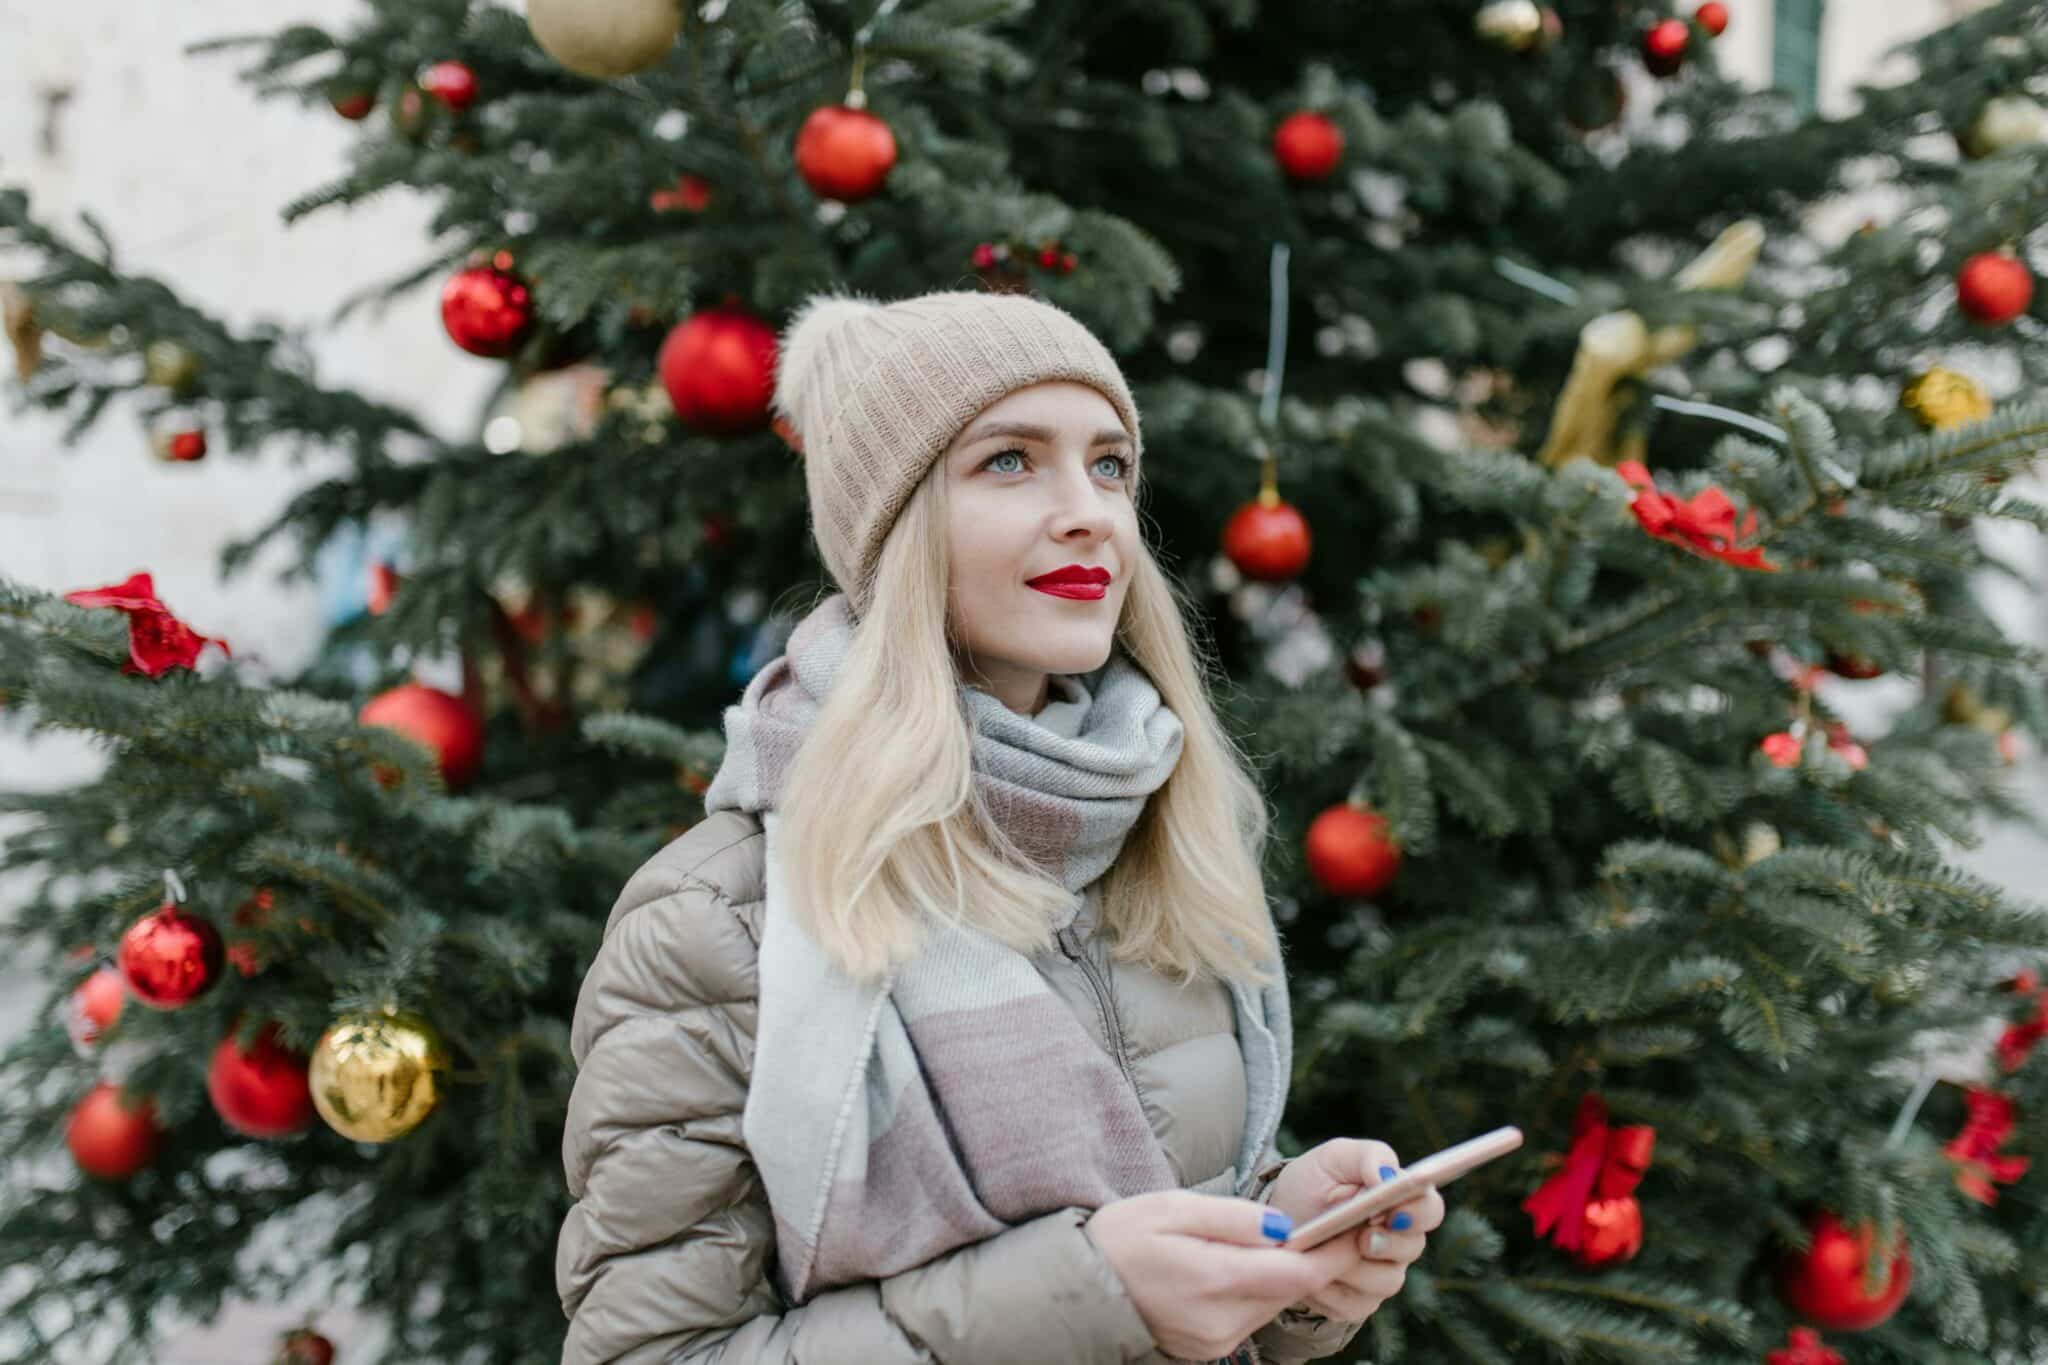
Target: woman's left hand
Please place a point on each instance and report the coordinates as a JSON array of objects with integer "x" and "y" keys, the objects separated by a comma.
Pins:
[{"x": 1331, "y": 1173}]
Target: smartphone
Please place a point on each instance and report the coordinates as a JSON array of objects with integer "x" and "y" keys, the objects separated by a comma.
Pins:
[{"x": 1439, "y": 1168}]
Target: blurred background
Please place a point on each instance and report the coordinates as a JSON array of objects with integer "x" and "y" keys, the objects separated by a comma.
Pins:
[{"x": 103, "y": 112}]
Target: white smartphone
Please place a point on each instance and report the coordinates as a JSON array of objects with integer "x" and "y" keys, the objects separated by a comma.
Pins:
[{"x": 1439, "y": 1168}]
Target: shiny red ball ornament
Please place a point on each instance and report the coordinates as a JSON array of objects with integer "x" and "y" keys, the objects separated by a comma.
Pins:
[
  {"x": 1825, "y": 1286},
  {"x": 1994, "y": 287},
  {"x": 94, "y": 1007},
  {"x": 441, "y": 723},
  {"x": 260, "y": 1091},
  {"x": 170, "y": 958},
  {"x": 353, "y": 104},
  {"x": 1664, "y": 46},
  {"x": 1308, "y": 146},
  {"x": 110, "y": 1138},
  {"x": 305, "y": 1347},
  {"x": 1351, "y": 851},
  {"x": 487, "y": 310},
  {"x": 452, "y": 83},
  {"x": 718, "y": 366},
  {"x": 1713, "y": 17},
  {"x": 1267, "y": 540},
  {"x": 185, "y": 446},
  {"x": 844, "y": 153}
]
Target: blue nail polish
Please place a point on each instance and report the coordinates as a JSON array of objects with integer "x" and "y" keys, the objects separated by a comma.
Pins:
[
  {"x": 1278, "y": 1225},
  {"x": 1387, "y": 1172},
  {"x": 1401, "y": 1222}
]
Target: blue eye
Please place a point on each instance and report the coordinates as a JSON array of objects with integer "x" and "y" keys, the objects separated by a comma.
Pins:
[{"x": 1122, "y": 475}]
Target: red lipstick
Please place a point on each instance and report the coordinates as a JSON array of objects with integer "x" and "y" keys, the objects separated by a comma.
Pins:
[{"x": 1079, "y": 581}]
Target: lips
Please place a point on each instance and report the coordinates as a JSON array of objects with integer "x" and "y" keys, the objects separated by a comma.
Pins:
[{"x": 1075, "y": 581}]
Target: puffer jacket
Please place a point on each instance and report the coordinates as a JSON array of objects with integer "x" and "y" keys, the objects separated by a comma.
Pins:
[{"x": 667, "y": 1253}]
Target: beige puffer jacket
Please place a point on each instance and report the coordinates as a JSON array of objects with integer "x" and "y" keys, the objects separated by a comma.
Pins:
[{"x": 666, "y": 1254}]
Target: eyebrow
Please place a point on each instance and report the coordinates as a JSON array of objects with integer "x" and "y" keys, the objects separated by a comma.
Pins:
[{"x": 1029, "y": 432}]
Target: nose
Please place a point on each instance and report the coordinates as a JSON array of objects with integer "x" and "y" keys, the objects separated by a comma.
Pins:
[{"x": 1081, "y": 508}]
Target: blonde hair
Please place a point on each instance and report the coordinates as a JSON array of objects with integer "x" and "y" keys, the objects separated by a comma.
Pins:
[{"x": 882, "y": 825}]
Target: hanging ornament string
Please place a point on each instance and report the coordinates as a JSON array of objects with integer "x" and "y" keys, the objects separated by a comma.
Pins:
[
  {"x": 174, "y": 890},
  {"x": 1276, "y": 369},
  {"x": 1536, "y": 280},
  {"x": 1694, "y": 408},
  {"x": 856, "y": 97},
  {"x": 1919, "y": 1096}
]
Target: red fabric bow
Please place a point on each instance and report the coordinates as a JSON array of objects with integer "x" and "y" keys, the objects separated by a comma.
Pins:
[
  {"x": 1979, "y": 1168},
  {"x": 1703, "y": 523},
  {"x": 1589, "y": 1208},
  {"x": 1803, "y": 1349},
  {"x": 157, "y": 641}
]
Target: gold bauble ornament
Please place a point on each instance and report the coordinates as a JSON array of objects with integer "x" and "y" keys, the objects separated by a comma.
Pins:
[
  {"x": 2005, "y": 121},
  {"x": 1516, "y": 25},
  {"x": 374, "y": 1074},
  {"x": 604, "y": 38},
  {"x": 168, "y": 365},
  {"x": 1943, "y": 399}
]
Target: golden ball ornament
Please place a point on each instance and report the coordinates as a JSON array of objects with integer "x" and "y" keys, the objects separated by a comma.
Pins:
[
  {"x": 2005, "y": 121},
  {"x": 168, "y": 365},
  {"x": 1516, "y": 25},
  {"x": 1943, "y": 399},
  {"x": 375, "y": 1076},
  {"x": 605, "y": 38}
]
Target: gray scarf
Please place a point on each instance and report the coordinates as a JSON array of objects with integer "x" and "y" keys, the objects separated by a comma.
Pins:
[{"x": 850, "y": 1081}]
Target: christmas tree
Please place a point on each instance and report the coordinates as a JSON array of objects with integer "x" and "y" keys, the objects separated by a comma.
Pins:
[{"x": 1548, "y": 484}]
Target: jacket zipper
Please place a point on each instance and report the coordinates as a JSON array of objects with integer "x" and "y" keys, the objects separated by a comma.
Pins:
[{"x": 1070, "y": 945}]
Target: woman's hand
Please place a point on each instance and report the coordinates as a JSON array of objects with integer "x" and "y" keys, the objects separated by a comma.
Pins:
[
  {"x": 1203, "y": 1270},
  {"x": 1381, "y": 1255}
]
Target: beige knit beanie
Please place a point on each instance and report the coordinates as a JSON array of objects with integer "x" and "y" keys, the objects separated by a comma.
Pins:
[{"x": 876, "y": 392}]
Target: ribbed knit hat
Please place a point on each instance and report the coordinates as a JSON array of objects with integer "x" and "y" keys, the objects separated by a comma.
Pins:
[{"x": 876, "y": 392}]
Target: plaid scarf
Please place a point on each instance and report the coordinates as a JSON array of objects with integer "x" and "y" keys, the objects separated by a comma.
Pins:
[{"x": 895, "y": 1121}]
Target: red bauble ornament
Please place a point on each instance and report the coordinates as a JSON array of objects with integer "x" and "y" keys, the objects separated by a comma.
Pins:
[
  {"x": 1351, "y": 852},
  {"x": 1853, "y": 666},
  {"x": 261, "y": 1092},
  {"x": 487, "y": 310},
  {"x": 94, "y": 1007},
  {"x": 718, "y": 366},
  {"x": 1803, "y": 1347},
  {"x": 1267, "y": 540},
  {"x": 1664, "y": 46},
  {"x": 452, "y": 83},
  {"x": 305, "y": 1347},
  {"x": 108, "y": 1138},
  {"x": 185, "y": 446},
  {"x": 1994, "y": 287},
  {"x": 169, "y": 958},
  {"x": 353, "y": 104},
  {"x": 438, "y": 721},
  {"x": 384, "y": 581},
  {"x": 1713, "y": 17},
  {"x": 1782, "y": 749},
  {"x": 1308, "y": 146},
  {"x": 844, "y": 153},
  {"x": 1825, "y": 1286}
]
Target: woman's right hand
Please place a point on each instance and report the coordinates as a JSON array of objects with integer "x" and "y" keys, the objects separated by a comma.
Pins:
[{"x": 1202, "y": 1270}]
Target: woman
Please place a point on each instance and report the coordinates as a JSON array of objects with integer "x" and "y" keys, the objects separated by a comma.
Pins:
[{"x": 956, "y": 1032}]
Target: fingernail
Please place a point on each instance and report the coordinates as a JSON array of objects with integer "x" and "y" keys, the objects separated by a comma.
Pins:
[
  {"x": 1387, "y": 1172},
  {"x": 1278, "y": 1225},
  {"x": 1401, "y": 1222}
]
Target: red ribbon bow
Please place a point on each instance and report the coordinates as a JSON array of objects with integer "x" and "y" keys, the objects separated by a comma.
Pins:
[
  {"x": 1979, "y": 1168},
  {"x": 2018, "y": 1040},
  {"x": 157, "y": 641},
  {"x": 1588, "y": 1207},
  {"x": 1703, "y": 523}
]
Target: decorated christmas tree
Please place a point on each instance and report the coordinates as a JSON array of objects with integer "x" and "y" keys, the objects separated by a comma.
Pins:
[{"x": 1548, "y": 484}]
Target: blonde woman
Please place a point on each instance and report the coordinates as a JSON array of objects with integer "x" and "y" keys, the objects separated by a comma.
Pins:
[{"x": 957, "y": 1031}]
